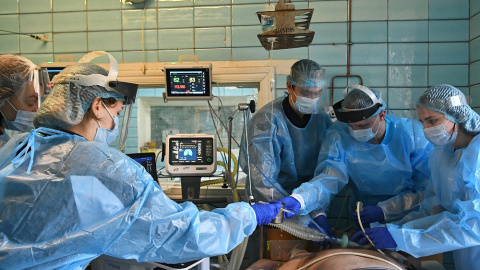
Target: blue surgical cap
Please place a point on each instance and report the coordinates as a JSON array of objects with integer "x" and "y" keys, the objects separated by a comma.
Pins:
[
  {"x": 451, "y": 102},
  {"x": 68, "y": 103},
  {"x": 307, "y": 73}
]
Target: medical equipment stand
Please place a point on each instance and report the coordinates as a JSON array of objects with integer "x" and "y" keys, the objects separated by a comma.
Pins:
[
  {"x": 191, "y": 191},
  {"x": 241, "y": 107}
]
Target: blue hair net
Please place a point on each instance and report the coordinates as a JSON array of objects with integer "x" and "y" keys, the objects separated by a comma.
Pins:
[
  {"x": 68, "y": 103},
  {"x": 307, "y": 73},
  {"x": 451, "y": 102}
]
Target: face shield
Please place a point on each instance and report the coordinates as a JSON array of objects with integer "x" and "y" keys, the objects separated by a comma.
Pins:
[
  {"x": 19, "y": 110},
  {"x": 127, "y": 91},
  {"x": 28, "y": 98},
  {"x": 308, "y": 79},
  {"x": 123, "y": 122},
  {"x": 44, "y": 79},
  {"x": 309, "y": 90}
]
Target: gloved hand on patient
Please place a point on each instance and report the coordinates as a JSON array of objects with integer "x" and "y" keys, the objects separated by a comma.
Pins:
[
  {"x": 321, "y": 220},
  {"x": 369, "y": 214},
  {"x": 292, "y": 206},
  {"x": 266, "y": 212},
  {"x": 380, "y": 237}
]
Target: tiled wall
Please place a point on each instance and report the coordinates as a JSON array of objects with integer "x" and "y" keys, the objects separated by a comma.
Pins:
[
  {"x": 475, "y": 53},
  {"x": 399, "y": 46}
]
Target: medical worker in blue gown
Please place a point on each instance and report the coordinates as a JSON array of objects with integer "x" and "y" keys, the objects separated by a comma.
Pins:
[
  {"x": 449, "y": 216},
  {"x": 284, "y": 137},
  {"x": 66, "y": 197},
  {"x": 20, "y": 91},
  {"x": 383, "y": 157}
]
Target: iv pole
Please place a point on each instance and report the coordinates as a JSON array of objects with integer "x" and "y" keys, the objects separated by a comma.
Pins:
[{"x": 241, "y": 107}]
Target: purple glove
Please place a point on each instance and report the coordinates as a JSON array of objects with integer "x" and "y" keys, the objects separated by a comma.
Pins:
[
  {"x": 266, "y": 212},
  {"x": 380, "y": 237},
  {"x": 292, "y": 205},
  {"x": 369, "y": 214},
  {"x": 321, "y": 220}
]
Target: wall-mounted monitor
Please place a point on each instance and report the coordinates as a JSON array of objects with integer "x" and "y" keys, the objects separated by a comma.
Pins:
[
  {"x": 188, "y": 81},
  {"x": 190, "y": 155}
]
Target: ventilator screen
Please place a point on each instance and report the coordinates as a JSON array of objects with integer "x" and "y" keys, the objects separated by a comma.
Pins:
[{"x": 192, "y": 151}]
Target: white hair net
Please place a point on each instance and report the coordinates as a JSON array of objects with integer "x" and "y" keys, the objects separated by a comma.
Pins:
[
  {"x": 68, "y": 103},
  {"x": 451, "y": 102},
  {"x": 15, "y": 72},
  {"x": 307, "y": 73},
  {"x": 358, "y": 99}
]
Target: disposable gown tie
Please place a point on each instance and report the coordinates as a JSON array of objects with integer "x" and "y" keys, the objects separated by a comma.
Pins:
[{"x": 82, "y": 199}]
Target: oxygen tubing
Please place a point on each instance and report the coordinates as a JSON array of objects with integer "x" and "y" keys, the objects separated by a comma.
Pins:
[
  {"x": 237, "y": 255},
  {"x": 234, "y": 159},
  {"x": 220, "y": 180}
]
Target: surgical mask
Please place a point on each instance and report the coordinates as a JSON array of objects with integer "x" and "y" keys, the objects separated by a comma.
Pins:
[
  {"x": 439, "y": 136},
  {"x": 306, "y": 105},
  {"x": 364, "y": 135},
  {"x": 23, "y": 121},
  {"x": 105, "y": 135}
]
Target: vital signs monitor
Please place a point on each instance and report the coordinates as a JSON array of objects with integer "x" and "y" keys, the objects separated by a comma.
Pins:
[{"x": 188, "y": 81}]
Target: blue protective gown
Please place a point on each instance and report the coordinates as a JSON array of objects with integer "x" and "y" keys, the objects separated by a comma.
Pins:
[
  {"x": 83, "y": 199},
  {"x": 449, "y": 216},
  {"x": 4, "y": 139},
  {"x": 391, "y": 175},
  {"x": 285, "y": 154}
]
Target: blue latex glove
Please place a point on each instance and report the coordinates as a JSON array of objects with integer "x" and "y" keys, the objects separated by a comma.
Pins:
[
  {"x": 321, "y": 220},
  {"x": 266, "y": 212},
  {"x": 292, "y": 205},
  {"x": 380, "y": 237},
  {"x": 369, "y": 214}
]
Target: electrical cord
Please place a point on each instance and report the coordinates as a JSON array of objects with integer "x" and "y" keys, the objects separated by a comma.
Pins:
[{"x": 42, "y": 38}]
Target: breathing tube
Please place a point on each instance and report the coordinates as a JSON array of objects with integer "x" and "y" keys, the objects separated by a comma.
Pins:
[{"x": 310, "y": 234}]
